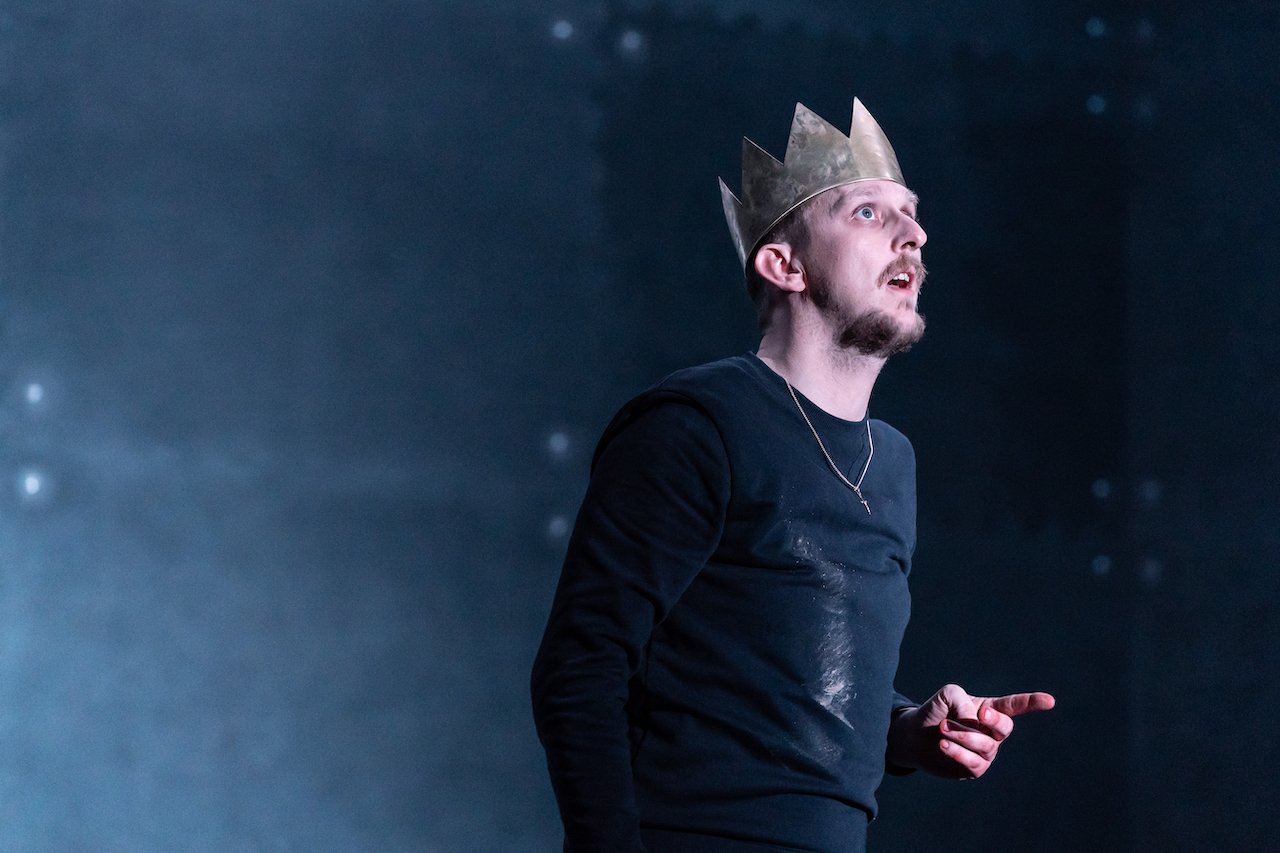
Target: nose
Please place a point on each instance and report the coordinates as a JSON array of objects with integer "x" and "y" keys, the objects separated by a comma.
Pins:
[{"x": 910, "y": 234}]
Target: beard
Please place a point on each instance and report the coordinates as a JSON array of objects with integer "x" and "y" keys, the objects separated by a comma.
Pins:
[
  {"x": 871, "y": 332},
  {"x": 874, "y": 333}
]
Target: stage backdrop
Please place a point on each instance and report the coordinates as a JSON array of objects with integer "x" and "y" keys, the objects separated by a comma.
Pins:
[{"x": 312, "y": 313}]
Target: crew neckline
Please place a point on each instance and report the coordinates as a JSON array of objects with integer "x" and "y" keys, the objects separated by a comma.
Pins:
[{"x": 812, "y": 409}]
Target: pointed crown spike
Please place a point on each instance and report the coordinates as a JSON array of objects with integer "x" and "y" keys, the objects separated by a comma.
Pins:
[{"x": 819, "y": 157}]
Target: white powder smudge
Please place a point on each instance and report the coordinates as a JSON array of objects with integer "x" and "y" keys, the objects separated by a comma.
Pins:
[{"x": 835, "y": 648}]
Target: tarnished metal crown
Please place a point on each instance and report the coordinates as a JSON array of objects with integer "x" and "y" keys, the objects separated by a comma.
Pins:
[{"x": 819, "y": 157}]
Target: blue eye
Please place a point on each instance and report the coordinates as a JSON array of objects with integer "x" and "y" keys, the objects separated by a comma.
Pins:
[{"x": 865, "y": 212}]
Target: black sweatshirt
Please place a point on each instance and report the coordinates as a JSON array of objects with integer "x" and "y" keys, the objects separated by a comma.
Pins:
[{"x": 721, "y": 650}]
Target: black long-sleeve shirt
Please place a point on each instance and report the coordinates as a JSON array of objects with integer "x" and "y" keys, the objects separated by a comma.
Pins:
[{"x": 720, "y": 654}]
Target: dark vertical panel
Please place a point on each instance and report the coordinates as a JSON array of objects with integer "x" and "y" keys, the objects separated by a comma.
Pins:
[{"x": 1205, "y": 447}]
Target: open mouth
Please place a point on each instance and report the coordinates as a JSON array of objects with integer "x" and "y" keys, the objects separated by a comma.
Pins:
[{"x": 902, "y": 281}]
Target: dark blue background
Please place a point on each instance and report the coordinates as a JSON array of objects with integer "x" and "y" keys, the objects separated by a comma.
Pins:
[{"x": 310, "y": 313}]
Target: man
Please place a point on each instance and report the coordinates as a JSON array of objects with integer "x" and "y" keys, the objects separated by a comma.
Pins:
[{"x": 717, "y": 672}]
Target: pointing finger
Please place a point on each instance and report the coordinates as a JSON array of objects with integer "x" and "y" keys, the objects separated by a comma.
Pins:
[{"x": 1021, "y": 703}]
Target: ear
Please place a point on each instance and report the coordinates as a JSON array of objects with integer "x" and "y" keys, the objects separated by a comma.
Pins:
[{"x": 777, "y": 264}]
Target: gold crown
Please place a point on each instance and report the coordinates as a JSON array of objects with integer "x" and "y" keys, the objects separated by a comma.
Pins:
[{"x": 819, "y": 157}]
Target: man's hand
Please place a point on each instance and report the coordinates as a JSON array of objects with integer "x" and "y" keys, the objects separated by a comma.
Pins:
[{"x": 955, "y": 735}]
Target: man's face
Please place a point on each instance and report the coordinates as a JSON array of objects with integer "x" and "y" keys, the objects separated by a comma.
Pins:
[{"x": 862, "y": 266}]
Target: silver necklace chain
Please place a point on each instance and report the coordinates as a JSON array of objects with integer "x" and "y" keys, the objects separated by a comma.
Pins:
[{"x": 871, "y": 449}]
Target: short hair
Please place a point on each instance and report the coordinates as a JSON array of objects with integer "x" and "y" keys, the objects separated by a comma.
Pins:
[{"x": 792, "y": 229}]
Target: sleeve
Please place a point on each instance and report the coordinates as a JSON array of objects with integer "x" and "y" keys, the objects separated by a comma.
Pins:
[
  {"x": 900, "y": 703},
  {"x": 652, "y": 516}
]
